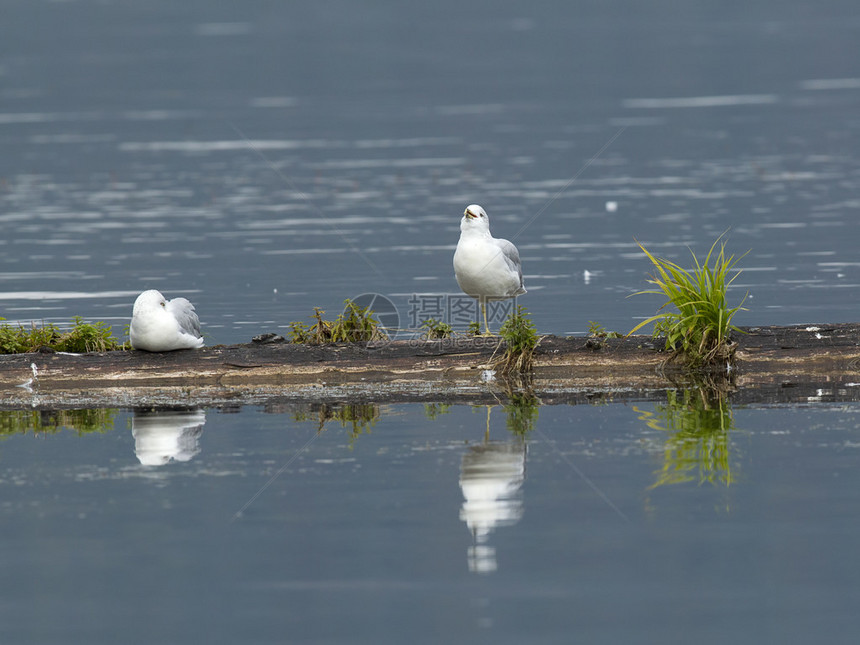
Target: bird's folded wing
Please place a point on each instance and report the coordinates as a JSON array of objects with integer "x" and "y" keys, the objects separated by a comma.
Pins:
[{"x": 184, "y": 313}]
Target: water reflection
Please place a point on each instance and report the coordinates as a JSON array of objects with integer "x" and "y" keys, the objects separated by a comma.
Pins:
[
  {"x": 39, "y": 421},
  {"x": 491, "y": 477},
  {"x": 522, "y": 413},
  {"x": 696, "y": 446},
  {"x": 491, "y": 473},
  {"x": 433, "y": 410},
  {"x": 164, "y": 435},
  {"x": 357, "y": 418}
]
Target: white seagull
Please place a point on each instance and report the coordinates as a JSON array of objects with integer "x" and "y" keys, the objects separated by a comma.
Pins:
[
  {"x": 159, "y": 325},
  {"x": 486, "y": 268}
]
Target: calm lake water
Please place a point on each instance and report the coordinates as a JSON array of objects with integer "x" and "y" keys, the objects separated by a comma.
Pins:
[
  {"x": 638, "y": 522},
  {"x": 265, "y": 158}
]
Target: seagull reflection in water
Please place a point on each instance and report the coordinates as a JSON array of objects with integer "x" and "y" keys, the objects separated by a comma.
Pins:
[
  {"x": 491, "y": 476},
  {"x": 164, "y": 435}
]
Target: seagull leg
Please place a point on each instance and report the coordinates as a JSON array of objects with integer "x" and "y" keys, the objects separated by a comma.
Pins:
[{"x": 487, "y": 331}]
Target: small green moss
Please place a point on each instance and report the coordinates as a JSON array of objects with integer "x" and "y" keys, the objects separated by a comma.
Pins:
[
  {"x": 596, "y": 330},
  {"x": 597, "y": 334},
  {"x": 436, "y": 329}
]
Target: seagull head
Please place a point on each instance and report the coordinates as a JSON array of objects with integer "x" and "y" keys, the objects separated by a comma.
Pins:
[
  {"x": 475, "y": 219},
  {"x": 148, "y": 300}
]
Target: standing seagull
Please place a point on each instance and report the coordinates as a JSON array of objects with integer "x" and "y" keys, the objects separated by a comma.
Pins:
[
  {"x": 486, "y": 268},
  {"x": 159, "y": 325}
]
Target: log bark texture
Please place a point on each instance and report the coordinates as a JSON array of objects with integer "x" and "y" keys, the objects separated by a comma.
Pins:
[{"x": 774, "y": 364}]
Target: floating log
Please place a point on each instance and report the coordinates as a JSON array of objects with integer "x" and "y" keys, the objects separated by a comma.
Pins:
[{"x": 774, "y": 364}]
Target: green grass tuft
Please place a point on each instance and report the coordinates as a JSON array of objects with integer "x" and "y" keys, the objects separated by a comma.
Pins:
[
  {"x": 87, "y": 337},
  {"x": 521, "y": 339},
  {"x": 698, "y": 331},
  {"x": 355, "y": 325},
  {"x": 81, "y": 337},
  {"x": 597, "y": 334},
  {"x": 596, "y": 330},
  {"x": 316, "y": 334},
  {"x": 436, "y": 330}
]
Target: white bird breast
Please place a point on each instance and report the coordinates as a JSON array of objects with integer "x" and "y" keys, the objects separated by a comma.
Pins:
[{"x": 482, "y": 271}]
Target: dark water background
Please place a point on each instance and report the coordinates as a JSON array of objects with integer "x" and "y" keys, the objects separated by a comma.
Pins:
[
  {"x": 589, "y": 523},
  {"x": 266, "y": 158},
  {"x": 263, "y": 158}
]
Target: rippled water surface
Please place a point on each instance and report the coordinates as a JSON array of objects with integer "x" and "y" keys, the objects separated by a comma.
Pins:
[
  {"x": 637, "y": 522},
  {"x": 266, "y": 159}
]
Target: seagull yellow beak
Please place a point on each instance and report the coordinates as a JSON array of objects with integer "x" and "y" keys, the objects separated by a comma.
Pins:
[{"x": 469, "y": 214}]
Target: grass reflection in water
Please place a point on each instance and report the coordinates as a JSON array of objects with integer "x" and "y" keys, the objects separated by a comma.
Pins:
[
  {"x": 39, "y": 421},
  {"x": 356, "y": 418},
  {"x": 696, "y": 447}
]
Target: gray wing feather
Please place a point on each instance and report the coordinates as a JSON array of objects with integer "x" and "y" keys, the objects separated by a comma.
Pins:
[
  {"x": 512, "y": 257},
  {"x": 184, "y": 313}
]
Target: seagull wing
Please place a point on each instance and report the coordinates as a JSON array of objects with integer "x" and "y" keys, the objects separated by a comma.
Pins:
[
  {"x": 512, "y": 259},
  {"x": 185, "y": 315}
]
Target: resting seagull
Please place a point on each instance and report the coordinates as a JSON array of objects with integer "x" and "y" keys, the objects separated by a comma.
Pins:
[
  {"x": 486, "y": 268},
  {"x": 159, "y": 325}
]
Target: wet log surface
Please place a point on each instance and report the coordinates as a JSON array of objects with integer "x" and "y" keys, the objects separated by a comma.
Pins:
[{"x": 774, "y": 365}]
